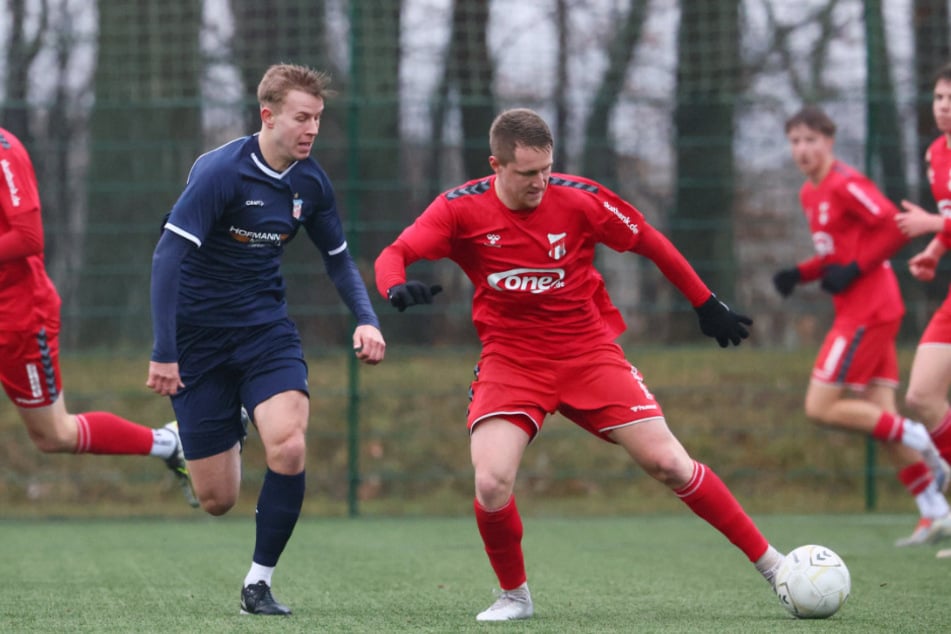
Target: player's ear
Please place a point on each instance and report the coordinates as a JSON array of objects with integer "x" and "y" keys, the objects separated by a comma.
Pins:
[
  {"x": 267, "y": 116},
  {"x": 494, "y": 163}
]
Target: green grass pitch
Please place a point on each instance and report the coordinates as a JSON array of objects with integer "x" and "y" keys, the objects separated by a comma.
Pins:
[{"x": 652, "y": 573}]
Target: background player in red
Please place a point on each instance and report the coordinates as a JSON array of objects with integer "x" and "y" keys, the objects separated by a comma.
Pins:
[
  {"x": 29, "y": 338},
  {"x": 930, "y": 377},
  {"x": 526, "y": 239},
  {"x": 854, "y": 233}
]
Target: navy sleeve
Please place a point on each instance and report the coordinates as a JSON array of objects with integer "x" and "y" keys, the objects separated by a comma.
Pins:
[
  {"x": 166, "y": 274},
  {"x": 344, "y": 274}
]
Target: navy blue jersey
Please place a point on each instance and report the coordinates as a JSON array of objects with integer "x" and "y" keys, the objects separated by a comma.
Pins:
[{"x": 240, "y": 213}]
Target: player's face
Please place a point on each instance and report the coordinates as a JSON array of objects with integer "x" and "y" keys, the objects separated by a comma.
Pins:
[
  {"x": 292, "y": 128},
  {"x": 521, "y": 183},
  {"x": 811, "y": 151},
  {"x": 941, "y": 105}
]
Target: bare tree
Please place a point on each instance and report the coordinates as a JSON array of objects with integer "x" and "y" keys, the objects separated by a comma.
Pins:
[
  {"x": 708, "y": 69},
  {"x": 145, "y": 132}
]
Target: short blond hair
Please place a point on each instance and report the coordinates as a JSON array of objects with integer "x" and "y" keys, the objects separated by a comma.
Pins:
[{"x": 280, "y": 79}]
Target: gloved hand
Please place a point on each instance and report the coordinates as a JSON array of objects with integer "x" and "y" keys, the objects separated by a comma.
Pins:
[
  {"x": 785, "y": 281},
  {"x": 837, "y": 277},
  {"x": 413, "y": 292},
  {"x": 717, "y": 320}
]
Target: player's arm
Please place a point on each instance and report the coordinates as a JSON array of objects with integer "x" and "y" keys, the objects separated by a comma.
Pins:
[
  {"x": 872, "y": 208},
  {"x": 427, "y": 238},
  {"x": 167, "y": 258},
  {"x": 25, "y": 236},
  {"x": 717, "y": 320}
]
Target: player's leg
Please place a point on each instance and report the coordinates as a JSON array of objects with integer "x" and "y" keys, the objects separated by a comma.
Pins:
[
  {"x": 274, "y": 390},
  {"x": 858, "y": 357},
  {"x": 611, "y": 400},
  {"x": 927, "y": 393},
  {"x": 501, "y": 426},
  {"x": 652, "y": 445},
  {"x": 30, "y": 375},
  {"x": 496, "y": 447}
]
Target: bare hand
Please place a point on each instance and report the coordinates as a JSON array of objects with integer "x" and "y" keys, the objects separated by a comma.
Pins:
[
  {"x": 368, "y": 344},
  {"x": 915, "y": 221},
  {"x": 164, "y": 378},
  {"x": 922, "y": 266}
]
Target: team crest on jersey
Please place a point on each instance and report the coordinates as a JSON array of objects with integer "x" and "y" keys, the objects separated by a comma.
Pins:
[
  {"x": 557, "y": 242},
  {"x": 298, "y": 205}
]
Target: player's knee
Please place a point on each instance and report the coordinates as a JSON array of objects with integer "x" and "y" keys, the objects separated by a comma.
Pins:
[
  {"x": 217, "y": 505},
  {"x": 49, "y": 442},
  {"x": 669, "y": 469},
  {"x": 493, "y": 490},
  {"x": 922, "y": 403}
]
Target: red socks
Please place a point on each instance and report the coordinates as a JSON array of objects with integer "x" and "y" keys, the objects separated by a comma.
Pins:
[
  {"x": 709, "y": 498},
  {"x": 501, "y": 532},
  {"x": 916, "y": 477},
  {"x": 889, "y": 427},
  {"x": 105, "y": 433},
  {"x": 942, "y": 436}
]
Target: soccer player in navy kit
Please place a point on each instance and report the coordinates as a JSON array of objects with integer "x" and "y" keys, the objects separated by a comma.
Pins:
[
  {"x": 222, "y": 336},
  {"x": 526, "y": 239}
]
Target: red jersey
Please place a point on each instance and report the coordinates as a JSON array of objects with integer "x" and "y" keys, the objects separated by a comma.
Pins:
[
  {"x": 536, "y": 288},
  {"x": 25, "y": 289},
  {"x": 938, "y": 159},
  {"x": 849, "y": 217}
]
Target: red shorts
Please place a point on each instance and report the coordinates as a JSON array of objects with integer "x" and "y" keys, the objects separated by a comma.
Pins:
[
  {"x": 938, "y": 330},
  {"x": 599, "y": 392},
  {"x": 29, "y": 365},
  {"x": 855, "y": 356}
]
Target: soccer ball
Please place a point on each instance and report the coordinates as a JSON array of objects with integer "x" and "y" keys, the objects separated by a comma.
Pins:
[{"x": 813, "y": 582}]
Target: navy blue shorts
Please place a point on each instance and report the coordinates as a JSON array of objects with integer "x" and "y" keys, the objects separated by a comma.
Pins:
[{"x": 225, "y": 368}]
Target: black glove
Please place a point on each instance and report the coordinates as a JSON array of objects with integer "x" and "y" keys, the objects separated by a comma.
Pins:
[
  {"x": 717, "y": 320},
  {"x": 413, "y": 292},
  {"x": 837, "y": 277},
  {"x": 785, "y": 281}
]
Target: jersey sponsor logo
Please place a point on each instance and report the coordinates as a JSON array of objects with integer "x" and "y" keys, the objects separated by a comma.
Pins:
[
  {"x": 533, "y": 281},
  {"x": 257, "y": 238},
  {"x": 11, "y": 182},
  {"x": 558, "y": 249},
  {"x": 625, "y": 219},
  {"x": 823, "y": 243},
  {"x": 944, "y": 207},
  {"x": 254, "y": 203}
]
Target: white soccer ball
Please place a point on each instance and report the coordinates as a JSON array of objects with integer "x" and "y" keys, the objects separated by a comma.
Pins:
[{"x": 813, "y": 582}]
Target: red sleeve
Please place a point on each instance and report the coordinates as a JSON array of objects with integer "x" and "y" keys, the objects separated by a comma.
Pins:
[
  {"x": 24, "y": 238},
  {"x": 428, "y": 238},
  {"x": 656, "y": 247},
  {"x": 873, "y": 208},
  {"x": 811, "y": 269},
  {"x": 390, "y": 266},
  {"x": 945, "y": 235}
]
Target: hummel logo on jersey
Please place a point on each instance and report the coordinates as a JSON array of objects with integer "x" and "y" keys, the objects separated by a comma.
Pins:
[
  {"x": 534, "y": 281},
  {"x": 492, "y": 240},
  {"x": 557, "y": 242}
]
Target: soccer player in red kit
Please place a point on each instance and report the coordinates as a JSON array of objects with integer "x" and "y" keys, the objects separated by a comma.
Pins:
[
  {"x": 526, "y": 239},
  {"x": 854, "y": 233},
  {"x": 930, "y": 378},
  {"x": 29, "y": 338}
]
